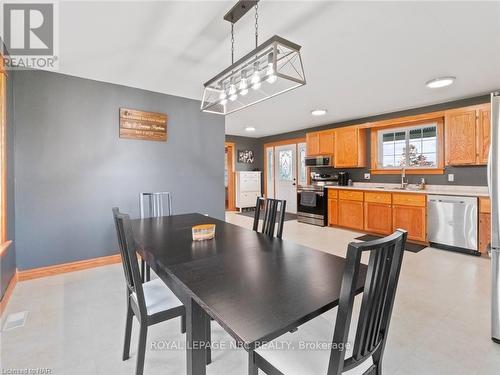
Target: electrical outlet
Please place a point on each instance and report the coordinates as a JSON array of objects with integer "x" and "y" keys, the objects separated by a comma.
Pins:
[
  {"x": 367, "y": 176},
  {"x": 451, "y": 177}
]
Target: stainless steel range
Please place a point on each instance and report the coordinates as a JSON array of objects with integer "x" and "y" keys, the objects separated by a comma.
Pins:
[
  {"x": 311, "y": 205},
  {"x": 312, "y": 200}
]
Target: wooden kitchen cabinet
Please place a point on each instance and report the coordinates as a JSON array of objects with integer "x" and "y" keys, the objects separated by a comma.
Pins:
[
  {"x": 350, "y": 147},
  {"x": 312, "y": 143},
  {"x": 467, "y": 135},
  {"x": 378, "y": 218},
  {"x": 350, "y": 212},
  {"x": 411, "y": 219},
  {"x": 320, "y": 143},
  {"x": 483, "y": 135},
  {"x": 484, "y": 232},
  {"x": 333, "y": 211},
  {"x": 378, "y": 212},
  {"x": 484, "y": 224}
]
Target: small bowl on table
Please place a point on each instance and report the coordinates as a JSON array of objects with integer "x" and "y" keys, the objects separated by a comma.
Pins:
[{"x": 203, "y": 232}]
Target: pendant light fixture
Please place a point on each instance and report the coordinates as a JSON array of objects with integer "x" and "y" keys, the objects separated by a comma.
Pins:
[{"x": 272, "y": 68}]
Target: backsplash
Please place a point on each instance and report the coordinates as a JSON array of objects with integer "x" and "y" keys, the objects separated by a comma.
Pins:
[{"x": 467, "y": 176}]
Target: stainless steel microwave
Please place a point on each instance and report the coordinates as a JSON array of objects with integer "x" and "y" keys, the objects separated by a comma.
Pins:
[{"x": 319, "y": 161}]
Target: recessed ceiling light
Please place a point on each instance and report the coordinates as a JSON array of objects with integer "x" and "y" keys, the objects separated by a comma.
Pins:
[
  {"x": 318, "y": 112},
  {"x": 250, "y": 129},
  {"x": 440, "y": 82}
]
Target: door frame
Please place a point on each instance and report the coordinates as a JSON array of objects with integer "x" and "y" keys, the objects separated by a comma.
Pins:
[
  {"x": 231, "y": 196},
  {"x": 285, "y": 142}
]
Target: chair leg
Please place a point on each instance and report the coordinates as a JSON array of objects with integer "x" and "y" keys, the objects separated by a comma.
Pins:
[
  {"x": 208, "y": 335},
  {"x": 143, "y": 269},
  {"x": 141, "y": 351},
  {"x": 183, "y": 324},
  {"x": 128, "y": 332},
  {"x": 148, "y": 273}
]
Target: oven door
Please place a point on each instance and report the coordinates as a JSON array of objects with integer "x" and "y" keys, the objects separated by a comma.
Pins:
[{"x": 312, "y": 213}]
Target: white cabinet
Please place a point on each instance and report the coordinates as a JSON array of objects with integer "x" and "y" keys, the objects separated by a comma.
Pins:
[{"x": 247, "y": 189}]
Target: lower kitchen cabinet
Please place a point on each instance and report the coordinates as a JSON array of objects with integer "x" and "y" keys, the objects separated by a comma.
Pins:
[
  {"x": 378, "y": 218},
  {"x": 333, "y": 211},
  {"x": 484, "y": 224},
  {"x": 411, "y": 219},
  {"x": 350, "y": 214},
  {"x": 484, "y": 232}
]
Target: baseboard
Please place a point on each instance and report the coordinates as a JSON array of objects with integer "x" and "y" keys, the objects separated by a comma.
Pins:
[
  {"x": 57, "y": 269},
  {"x": 8, "y": 292}
]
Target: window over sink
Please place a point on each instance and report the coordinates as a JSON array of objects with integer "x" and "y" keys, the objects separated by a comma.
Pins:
[{"x": 416, "y": 147}]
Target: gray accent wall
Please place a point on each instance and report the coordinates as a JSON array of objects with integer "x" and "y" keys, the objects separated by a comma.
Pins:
[
  {"x": 247, "y": 143},
  {"x": 71, "y": 167},
  {"x": 470, "y": 176},
  {"x": 8, "y": 260}
]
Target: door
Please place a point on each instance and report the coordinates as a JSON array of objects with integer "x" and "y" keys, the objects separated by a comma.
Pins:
[
  {"x": 346, "y": 147},
  {"x": 301, "y": 161},
  {"x": 269, "y": 168},
  {"x": 460, "y": 137},
  {"x": 285, "y": 177}
]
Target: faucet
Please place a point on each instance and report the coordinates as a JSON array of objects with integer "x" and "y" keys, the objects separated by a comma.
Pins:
[{"x": 404, "y": 183}]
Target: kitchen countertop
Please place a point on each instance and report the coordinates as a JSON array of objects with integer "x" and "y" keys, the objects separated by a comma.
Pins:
[{"x": 471, "y": 191}]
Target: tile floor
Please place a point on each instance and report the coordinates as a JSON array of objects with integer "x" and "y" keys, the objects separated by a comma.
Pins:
[{"x": 441, "y": 321}]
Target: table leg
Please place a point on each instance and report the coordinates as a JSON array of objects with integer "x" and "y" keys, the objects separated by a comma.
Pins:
[
  {"x": 252, "y": 367},
  {"x": 196, "y": 323}
]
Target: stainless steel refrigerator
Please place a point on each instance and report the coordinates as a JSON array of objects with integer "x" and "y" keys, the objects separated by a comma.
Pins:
[{"x": 494, "y": 187}]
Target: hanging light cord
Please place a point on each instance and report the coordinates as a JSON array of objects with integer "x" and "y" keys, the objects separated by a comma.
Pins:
[{"x": 256, "y": 25}]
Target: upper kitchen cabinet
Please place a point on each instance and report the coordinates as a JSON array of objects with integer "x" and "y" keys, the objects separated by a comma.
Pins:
[
  {"x": 467, "y": 133},
  {"x": 483, "y": 134},
  {"x": 350, "y": 147},
  {"x": 320, "y": 143}
]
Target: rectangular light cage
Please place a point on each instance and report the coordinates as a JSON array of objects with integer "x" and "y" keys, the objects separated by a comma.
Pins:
[{"x": 271, "y": 69}]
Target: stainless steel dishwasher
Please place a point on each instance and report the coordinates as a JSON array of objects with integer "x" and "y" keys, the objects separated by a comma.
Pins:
[{"x": 452, "y": 222}]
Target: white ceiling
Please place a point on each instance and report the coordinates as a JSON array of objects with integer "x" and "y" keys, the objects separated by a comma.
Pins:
[{"x": 360, "y": 58}]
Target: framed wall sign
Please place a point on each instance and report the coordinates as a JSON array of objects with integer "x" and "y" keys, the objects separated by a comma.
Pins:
[
  {"x": 246, "y": 156},
  {"x": 147, "y": 126}
]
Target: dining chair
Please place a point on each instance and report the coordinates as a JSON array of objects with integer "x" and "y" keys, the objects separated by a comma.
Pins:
[
  {"x": 357, "y": 341},
  {"x": 273, "y": 209},
  {"x": 153, "y": 205},
  {"x": 151, "y": 302}
]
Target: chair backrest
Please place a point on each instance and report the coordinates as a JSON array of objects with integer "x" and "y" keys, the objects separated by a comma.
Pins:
[
  {"x": 272, "y": 208},
  {"x": 155, "y": 204},
  {"x": 384, "y": 265},
  {"x": 129, "y": 257}
]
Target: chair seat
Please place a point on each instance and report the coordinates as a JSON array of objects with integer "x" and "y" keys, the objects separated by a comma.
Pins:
[
  {"x": 307, "y": 350},
  {"x": 158, "y": 297}
]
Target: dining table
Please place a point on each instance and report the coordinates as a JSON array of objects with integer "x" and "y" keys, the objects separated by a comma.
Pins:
[{"x": 256, "y": 287}]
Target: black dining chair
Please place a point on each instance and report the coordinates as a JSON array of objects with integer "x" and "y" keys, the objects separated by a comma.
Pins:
[
  {"x": 274, "y": 210},
  {"x": 367, "y": 330},
  {"x": 151, "y": 302}
]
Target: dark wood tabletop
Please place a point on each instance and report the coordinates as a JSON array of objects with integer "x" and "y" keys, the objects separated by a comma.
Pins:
[{"x": 255, "y": 287}]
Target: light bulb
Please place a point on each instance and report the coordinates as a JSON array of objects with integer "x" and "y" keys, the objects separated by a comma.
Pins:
[
  {"x": 223, "y": 97},
  {"x": 243, "y": 86},
  {"x": 256, "y": 80},
  {"x": 232, "y": 92},
  {"x": 271, "y": 76}
]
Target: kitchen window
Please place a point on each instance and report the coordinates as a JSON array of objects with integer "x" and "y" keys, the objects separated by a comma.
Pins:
[{"x": 418, "y": 148}]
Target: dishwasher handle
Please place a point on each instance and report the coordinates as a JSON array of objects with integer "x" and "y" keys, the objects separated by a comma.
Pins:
[{"x": 446, "y": 201}]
